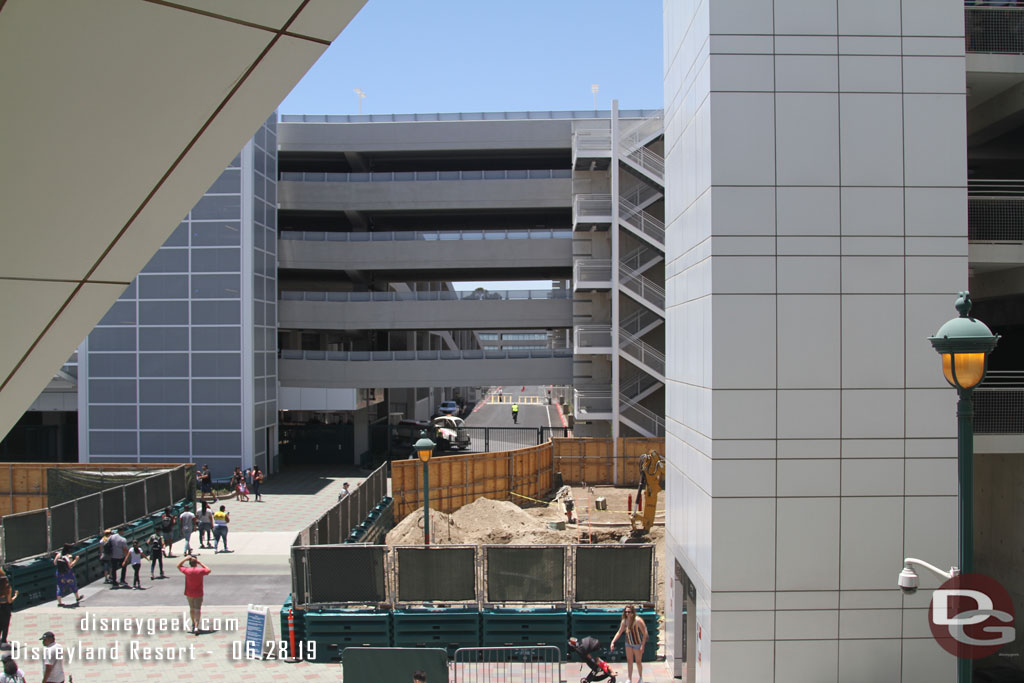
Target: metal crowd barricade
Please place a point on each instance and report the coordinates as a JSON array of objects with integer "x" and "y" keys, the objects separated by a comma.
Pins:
[{"x": 540, "y": 664}]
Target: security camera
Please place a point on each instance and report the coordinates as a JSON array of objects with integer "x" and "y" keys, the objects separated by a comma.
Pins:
[{"x": 908, "y": 580}]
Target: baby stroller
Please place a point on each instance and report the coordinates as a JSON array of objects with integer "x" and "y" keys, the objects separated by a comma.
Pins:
[{"x": 587, "y": 651}]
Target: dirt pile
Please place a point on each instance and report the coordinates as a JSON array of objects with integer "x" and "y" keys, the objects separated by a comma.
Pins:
[{"x": 484, "y": 521}]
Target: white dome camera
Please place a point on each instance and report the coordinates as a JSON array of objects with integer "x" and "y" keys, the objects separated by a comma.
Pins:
[{"x": 908, "y": 580}]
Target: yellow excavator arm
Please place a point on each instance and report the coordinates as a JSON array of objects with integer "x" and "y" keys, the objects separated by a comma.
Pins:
[{"x": 652, "y": 483}]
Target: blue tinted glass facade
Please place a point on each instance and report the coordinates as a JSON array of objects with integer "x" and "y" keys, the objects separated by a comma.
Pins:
[{"x": 183, "y": 367}]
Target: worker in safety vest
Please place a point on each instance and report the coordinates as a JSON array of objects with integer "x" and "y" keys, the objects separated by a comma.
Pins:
[{"x": 515, "y": 413}]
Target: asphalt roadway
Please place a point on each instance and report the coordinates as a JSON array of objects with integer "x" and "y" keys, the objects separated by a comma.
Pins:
[{"x": 531, "y": 415}]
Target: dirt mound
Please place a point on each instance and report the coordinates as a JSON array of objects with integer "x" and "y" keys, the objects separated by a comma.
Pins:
[
  {"x": 410, "y": 530},
  {"x": 484, "y": 521}
]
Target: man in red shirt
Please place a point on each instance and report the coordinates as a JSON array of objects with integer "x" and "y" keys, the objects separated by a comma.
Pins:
[{"x": 194, "y": 574}]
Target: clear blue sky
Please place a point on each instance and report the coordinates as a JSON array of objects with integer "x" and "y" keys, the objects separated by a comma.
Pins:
[{"x": 488, "y": 55}]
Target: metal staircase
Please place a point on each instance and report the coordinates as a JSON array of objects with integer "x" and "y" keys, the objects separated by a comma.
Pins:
[
  {"x": 642, "y": 289},
  {"x": 642, "y": 224},
  {"x": 643, "y": 355},
  {"x": 641, "y": 419}
]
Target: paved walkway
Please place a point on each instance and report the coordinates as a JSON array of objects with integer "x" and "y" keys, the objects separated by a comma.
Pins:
[{"x": 255, "y": 572}]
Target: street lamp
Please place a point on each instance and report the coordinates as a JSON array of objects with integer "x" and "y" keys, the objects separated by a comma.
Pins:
[
  {"x": 424, "y": 449},
  {"x": 964, "y": 344}
]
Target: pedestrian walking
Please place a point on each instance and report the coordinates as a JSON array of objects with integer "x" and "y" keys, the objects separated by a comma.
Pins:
[
  {"x": 134, "y": 558},
  {"x": 515, "y": 413},
  {"x": 344, "y": 491},
  {"x": 118, "y": 549},
  {"x": 7, "y": 598},
  {"x": 221, "y": 518},
  {"x": 257, "y": 483},
  {"x": 53, "y": 659},
  {"x": 65, "y": 562},
  {"x": 167, "y": 522},
  {"x": 206, "y": 483},
  {"x": 155, "y": 544},
  {"x": 188, "y": 525},
  {"x": 194, "y": 573},
  {"x": 206, "y": 526},
  {"x": 106, "y": 560},
  {"x": 635, "y": 631}
]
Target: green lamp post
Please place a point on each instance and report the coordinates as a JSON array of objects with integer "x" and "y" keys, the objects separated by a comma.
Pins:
[
  {"x": 424, "y": 449},
  {"x": 964, "y": 344}
]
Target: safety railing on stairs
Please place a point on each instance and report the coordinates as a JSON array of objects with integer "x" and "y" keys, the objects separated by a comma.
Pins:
[
  {"x": 633, "y": 388},
  {"x": 642, "y": 221},
  {"x": 634, "y": 136},
  {"x": 643, "y": 287},
  {"x": 650, "y": 161},
  {"x": 642, "y": 352},
  {"x": 648, "y": 421},
  {"x": 640, "y": 321}
]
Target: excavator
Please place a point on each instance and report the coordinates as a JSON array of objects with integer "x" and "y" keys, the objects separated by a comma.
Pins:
[{"x": 652, "y": 483}]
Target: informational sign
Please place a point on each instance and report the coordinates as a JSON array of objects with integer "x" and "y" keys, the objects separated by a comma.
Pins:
[{"x": 259, "y": 631}]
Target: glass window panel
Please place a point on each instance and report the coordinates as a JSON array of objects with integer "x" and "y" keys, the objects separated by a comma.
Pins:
[
  {"x": 258, "y": 365},
  {"x": 213, "y": 207},
  {"x": 216, "y": 391},
  {"x": 163, "y": 286},
  {"x": 215, "y": 286},
  {"x": 216, "y": 417},
  {"x": 112, "y": 365},
  {"x": 163, "y": 365},
  {"x": 216, "y": 443},
  {"x": 163, "y": 417},
  {"x": 163, "y": 443},
  {"x": 229, "y": 182},
  {"x": 168, "y": 261},
  {"x": 215, "y": 234},
  {"x": 258, "y": 313},
  {"x": 130, "y": 293},
  {"x": 216, "y": 338},
  {"x": 259, "y": 161},
  {"x": 236, "y": 162},
  {"x": 112, "y": 339},
  {"x": 259, "y": 390},
  {"x": 111, "y": 391},
  {"x": 163, "y": 391},
  {"x": 112, "y": 417},
  {"x": 178, "y": 238},
  {"x": 257, "y": 229},
  {"x": 163, "y": 339},
  {"x": 216, "y": 313},
  {"x": 258, "y": 340},
  {"x": 257, "y": 287},
  {"x": 112, "y": 443},
  {"x": 224, "y": 260},
  {"x": 163, "y": 312},
  {"x": 271, "y": 387},
  {"x": 216, "y": 365},
  {"x": 121, "y": 313}
]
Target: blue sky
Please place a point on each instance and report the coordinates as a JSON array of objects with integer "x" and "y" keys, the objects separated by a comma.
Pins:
[
  {"x": 488, "y": 55},
  {"x": 420, "y": 56}
]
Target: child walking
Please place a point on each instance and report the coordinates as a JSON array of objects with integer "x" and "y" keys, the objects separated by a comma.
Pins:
[{"x": 134, "y": 557}]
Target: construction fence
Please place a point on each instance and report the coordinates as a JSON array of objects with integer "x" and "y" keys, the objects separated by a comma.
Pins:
[
  {"x": 472, "y": 576},
  {"x": 28, "y": 534},
  {"x": 518, "y": 475},
  {"x": 342, "y": 521}
]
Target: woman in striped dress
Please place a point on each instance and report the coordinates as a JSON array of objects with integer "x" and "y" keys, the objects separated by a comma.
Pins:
[{"x": 635, "y": 631}]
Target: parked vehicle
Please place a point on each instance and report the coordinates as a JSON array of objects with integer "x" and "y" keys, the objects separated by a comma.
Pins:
[{"x": 448, "y": 408}]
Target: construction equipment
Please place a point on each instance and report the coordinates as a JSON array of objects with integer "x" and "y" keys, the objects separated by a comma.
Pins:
[{"x": 652, "y": 482}]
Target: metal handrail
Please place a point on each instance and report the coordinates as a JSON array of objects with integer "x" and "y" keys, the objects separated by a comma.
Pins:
[
  {"x": 461, "y": 295},
  {"x": 592, "y": 336},
  {"x": 638, "y": 385},
  {"x": 592, "y": 400},
  {"x": 630, "y": 137},
  {"x": 468, "y": 116},
  {"x": 592, "y": 139},
  {"x": 993, "y": 187},
  {"x": 992, "y": 28},
  {"x": 593, "y": 270},
  {"x": 642, "y": 221},
  {"x": 639, "y": 195},
  {"x": 641, "y": 256},
  {"x": 649, "y": 160},
  {"x": 642, "y": 352},
  {"x": 592, "y": 205},
  {"x": 638, "y": 320},
  {"x": 1002, "y": 379},
  {"x": 459, "y": 354},
  {"x": 424, "y": 235},
  {"x": 406, "y": 176},
  {"x": 643, "y": 287},
  {"x": 655, "y": 424}
]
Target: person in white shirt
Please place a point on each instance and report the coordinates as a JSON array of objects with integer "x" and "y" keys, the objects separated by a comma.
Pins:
[
  {"x": 344, "y": 491},
  {"x": 188, "y": 525},
  {"x": 53, "y": 659},
  {"x": 134, "y": 557}
]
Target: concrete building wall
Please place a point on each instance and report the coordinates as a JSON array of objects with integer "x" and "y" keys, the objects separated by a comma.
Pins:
[{"x": 816, "y": 212}]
